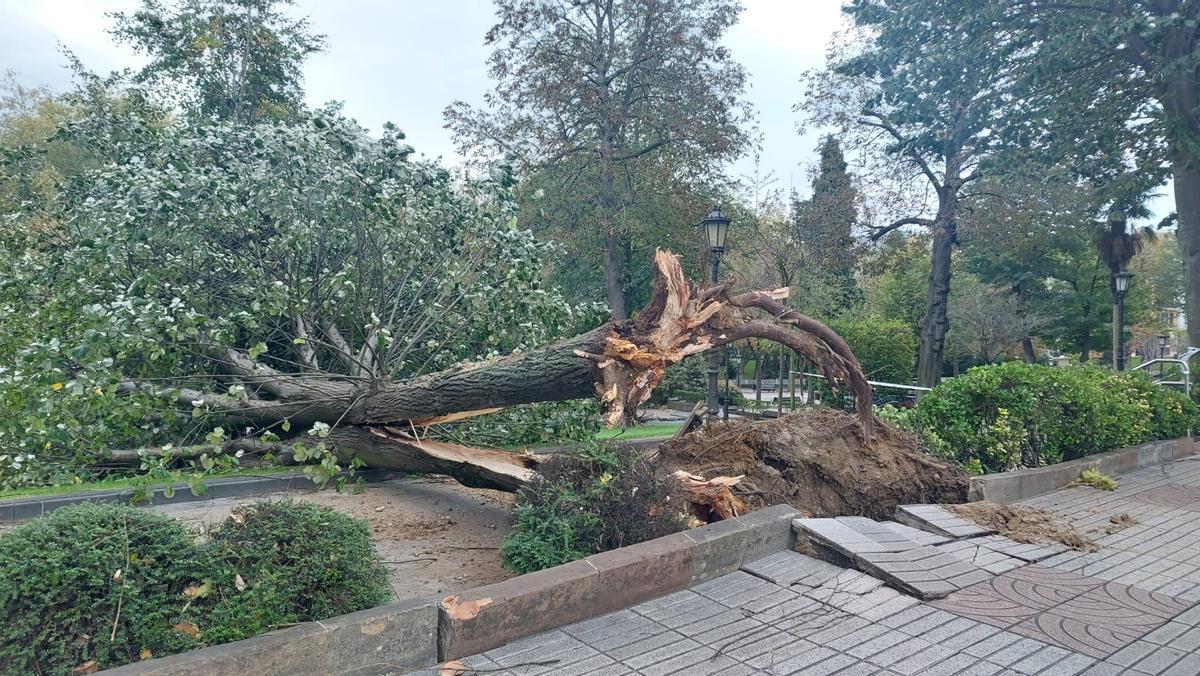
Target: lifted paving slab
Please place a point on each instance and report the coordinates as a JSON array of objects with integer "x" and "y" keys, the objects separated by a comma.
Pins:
[{"x": 935, "y": 519}]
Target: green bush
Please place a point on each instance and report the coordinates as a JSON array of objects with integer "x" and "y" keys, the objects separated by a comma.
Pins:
[
  {"x": 1012, "y": 415},
  {"x": 64, "y": 577},
  {"x": 588, "y": 501},
  {"x": 297, "y": 562}
]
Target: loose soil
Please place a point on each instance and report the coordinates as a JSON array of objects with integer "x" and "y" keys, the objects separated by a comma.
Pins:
[
  {"x": 436, "y": 536},
  {"x": 817, "y": 462},
  {"x": 1119, "y": 523},
  {"x": 1023, "y": 524}
]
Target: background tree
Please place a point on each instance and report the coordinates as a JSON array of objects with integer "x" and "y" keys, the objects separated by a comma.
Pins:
[
  {"x": 1016, "y": 229},
  {"x": 1112, "y": 87},
  {"x": 824, "y": 225},
  {"x": 607, "y": 103},
  {"x": 233, "y": 59},
  {"x": 882, "y": 90}
]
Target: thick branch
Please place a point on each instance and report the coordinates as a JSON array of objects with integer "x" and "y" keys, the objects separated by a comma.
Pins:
[{"x": 899, "y": 223}]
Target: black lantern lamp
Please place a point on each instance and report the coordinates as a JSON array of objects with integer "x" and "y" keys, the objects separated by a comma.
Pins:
[{"x": 716, "y": 230}]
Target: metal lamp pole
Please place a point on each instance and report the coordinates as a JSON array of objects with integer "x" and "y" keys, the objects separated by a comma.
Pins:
[
  {"x": 716, "y": 230},
  {"x": 1120, "y": 286}
]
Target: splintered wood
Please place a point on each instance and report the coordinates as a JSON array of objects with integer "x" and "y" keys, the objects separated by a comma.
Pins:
[{"x": 712, "y": 498}]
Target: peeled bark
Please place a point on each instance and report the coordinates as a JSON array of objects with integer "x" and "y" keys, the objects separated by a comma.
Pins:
[{"x": 385, "y": 424}]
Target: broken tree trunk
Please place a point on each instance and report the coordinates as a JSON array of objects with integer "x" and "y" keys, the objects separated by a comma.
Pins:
[{"x": 385, "y": 424}]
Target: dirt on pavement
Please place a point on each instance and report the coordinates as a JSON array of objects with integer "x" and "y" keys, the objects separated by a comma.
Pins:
[
  {"x": 816, "y": 461},
  {"x": 1023, "y": 524},
  {"x": 436, "y": 536}
]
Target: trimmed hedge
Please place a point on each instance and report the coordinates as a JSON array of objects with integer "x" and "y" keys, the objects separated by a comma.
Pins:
[
  {"x": 97, "y": 586},
  {"x": 1003, "y": 416}
]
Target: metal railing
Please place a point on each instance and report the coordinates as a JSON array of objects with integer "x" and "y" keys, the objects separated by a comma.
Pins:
[{"x": 1185, "y": 372}]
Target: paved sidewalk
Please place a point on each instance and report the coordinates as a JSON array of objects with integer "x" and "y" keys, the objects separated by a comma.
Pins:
[{"x": 1133, "y": 607}]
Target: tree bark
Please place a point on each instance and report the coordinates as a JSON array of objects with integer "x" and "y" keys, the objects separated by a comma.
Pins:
[
  {"x": 936, "y": 322},
  {"x": 1187, "y": 208},
  {"x": 385, "y": 424}
]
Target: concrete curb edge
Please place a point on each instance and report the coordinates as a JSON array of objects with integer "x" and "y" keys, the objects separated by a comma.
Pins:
[{"x": 1006, "y": 487}]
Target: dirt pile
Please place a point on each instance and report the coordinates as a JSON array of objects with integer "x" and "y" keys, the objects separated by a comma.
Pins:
[
  {"x": 816, "y": 461},
  {"x": 1023, "y": 524}
]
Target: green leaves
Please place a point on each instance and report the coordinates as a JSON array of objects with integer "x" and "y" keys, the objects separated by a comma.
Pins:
[
  {"x": 257, "y": 350},
  {"x": 1022, "y": 415}
]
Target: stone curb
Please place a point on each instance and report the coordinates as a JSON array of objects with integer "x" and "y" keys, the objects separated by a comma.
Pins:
[
  {"x": 490, "y": 616},
  {"x": 410, "y": 635},
  {"x": 22, "y": 509},
  {"x": 395, "y": 637},
  {"x": 1020, "y": 484}
]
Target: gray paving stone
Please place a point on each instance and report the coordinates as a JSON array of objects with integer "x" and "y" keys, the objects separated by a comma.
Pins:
[
  {"x": 1041, "y": 660},
  {"x": 853, "y": 537},
  {"x": 1158, "y": 660},
  {"x": 935, "y": 519},
  {"x": 956, "y": 663},
  {"x": 925, "y": 572},
  {"x": 1132, "y": 653},
  {"x": 789, "y": 569},
  {"x": 1188, "y": 665}
]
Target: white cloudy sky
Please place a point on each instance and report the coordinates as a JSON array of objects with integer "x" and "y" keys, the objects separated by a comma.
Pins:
[{"x": 405, "y": 60}]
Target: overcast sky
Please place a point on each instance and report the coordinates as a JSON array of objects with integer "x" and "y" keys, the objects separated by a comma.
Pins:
[{"x": 404, "y": 60}]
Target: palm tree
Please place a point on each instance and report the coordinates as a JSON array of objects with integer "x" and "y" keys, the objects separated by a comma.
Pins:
[{"x": 1116, "y": 246}]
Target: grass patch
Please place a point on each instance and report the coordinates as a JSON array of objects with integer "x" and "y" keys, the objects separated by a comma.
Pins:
[{"x": 640, "y": 432}]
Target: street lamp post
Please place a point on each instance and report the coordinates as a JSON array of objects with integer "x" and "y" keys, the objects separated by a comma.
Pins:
[
  {"x": 1163, "y": 339},
  {"x": 716, "y": 230},
  {"x": 1120, "y": 286}
]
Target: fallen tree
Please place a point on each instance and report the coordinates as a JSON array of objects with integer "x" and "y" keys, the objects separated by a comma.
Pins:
[{"x": 385, "y": 424}]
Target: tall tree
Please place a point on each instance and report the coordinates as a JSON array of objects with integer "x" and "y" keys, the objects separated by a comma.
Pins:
[
  {"x": 233, "y": 59},
  {"x": 824, "y": 223},
  {"x": 919, "y": 81},
  {"x": 1113, "y": 87},
  {"x": 607, "y": 98}
]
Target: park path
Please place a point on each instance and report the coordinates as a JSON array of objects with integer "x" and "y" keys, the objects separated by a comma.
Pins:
[{"x": 1131, "y": 607}]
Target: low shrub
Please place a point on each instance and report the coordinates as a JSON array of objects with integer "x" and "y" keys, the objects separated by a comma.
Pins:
[
  {"x": 295, "y": 561},
  {"x": 1003, "y": 416},
  {"x": 96, "y": 586},
  {"x": 587, "y": 501},
  {"x": 64, "y": 577}
]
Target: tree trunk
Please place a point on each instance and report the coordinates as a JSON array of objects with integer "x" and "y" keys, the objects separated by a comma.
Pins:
[
  {"x": 1085, "y": 346},
  {"x": 386, "y": 424},
  {"x": 1028, "y": 355},
  {"x": 613, "y": 288},
  {"x": 1187, "y": 207},
  {"x": 936, "y": 321}
]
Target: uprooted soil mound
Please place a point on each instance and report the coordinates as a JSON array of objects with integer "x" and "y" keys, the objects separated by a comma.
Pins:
[
  {"x": 1023, "y": 524},
  {"x": 816, "y": 461}
]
